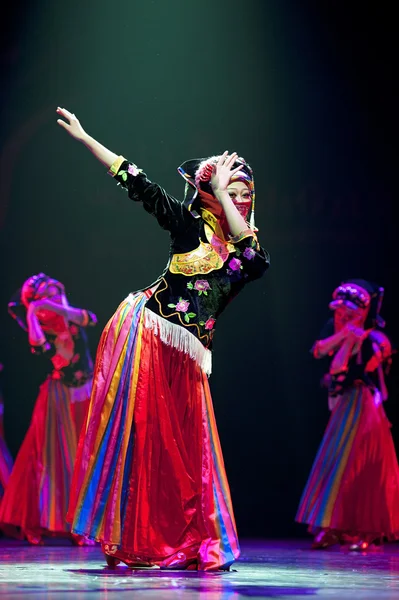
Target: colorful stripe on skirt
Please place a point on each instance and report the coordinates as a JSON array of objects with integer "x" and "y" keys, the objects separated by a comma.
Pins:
[{"x": 353, "y": 486}]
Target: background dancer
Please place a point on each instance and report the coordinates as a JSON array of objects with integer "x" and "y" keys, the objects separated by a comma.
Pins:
[
  {"x": 36, "y": 499},
  {"x": 352, "y": 494}
]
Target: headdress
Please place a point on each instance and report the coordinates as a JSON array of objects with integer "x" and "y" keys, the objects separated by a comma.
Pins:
[
  {"x": 31, "y": 290},
  {"x": 359, "y": 293},
  {"x": 197, "y": 173}
]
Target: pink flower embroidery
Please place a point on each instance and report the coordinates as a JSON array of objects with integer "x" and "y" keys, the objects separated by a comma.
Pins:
[
  {"x": 235, "y": 264},
  {"x": 79, "y": 375},
  {"x": 201, "y": 285},
  {"x": 75, "y": 358},
  {"x": 74, "y": 330},
  {"x": 133, "y": 170},
  {"x": 210, "y": 323},
  {"x": 182, "y": 305},
  {"x": 249, "y": 253}
]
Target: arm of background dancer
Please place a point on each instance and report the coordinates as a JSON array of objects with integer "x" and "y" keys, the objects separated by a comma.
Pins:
[
  {"x": 340, "y": 361},
  {"x": 325, "y": 347},
  {"x": 35, "y": 332},
  {"x": 376, "y": 359},
  {"x": 375, "y": 363},
  {"x": 79, "y": 316}
]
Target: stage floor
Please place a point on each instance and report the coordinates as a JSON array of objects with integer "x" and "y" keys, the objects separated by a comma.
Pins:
[{"x": 266, "y": 569}]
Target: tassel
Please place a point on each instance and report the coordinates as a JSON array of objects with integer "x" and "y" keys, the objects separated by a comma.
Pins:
[
  {"x": 252, "y": 218},
  {"x": 178, "y": 337}
]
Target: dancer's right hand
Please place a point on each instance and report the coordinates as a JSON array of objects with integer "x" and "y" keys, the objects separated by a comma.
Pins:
[{"x": 71, "y": 125}]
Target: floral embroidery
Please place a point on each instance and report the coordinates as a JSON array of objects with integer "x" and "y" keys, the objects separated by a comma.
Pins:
[
  {"x": 201, "y": 286},
  {"x": 132, "y": 170},
  {"x": 210, "y": 323},
  {"x": 123, "y": 175},
  {"x": 235, "y": 264},
  {"x": 182, "y": 306},
  {"x": 74, "y": 330},
  {"x": 75, "y": 358},
  {"x": 249, "y": 253}
]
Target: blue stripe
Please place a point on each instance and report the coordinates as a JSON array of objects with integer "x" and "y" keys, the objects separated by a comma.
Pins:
[
  {"x": 330, "y": 441},
  {"x": 84, "y": 512},
  {"x": 122, "y": 395},
  {"x": 225, "y": 547},
  {"x": 218, "y": 476},
  {"x": 327, "y": 468}
]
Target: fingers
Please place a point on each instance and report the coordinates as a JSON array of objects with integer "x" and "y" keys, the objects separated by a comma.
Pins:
[
  {"x": 66, "y": 113},
  {"x": 222, "y": 159},
  {"x": 63, "y": 124},
  {"x": 236, "y": 170},
  {"x": 227, "y": 160},
  {"x": 230, "y": 160}
]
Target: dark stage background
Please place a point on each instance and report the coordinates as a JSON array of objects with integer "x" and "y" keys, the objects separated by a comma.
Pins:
[{"x": 305, "y": 91}]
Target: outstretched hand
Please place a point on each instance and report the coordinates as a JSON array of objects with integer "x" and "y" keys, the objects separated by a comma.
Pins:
[
  {"x": 223, "y": 171},
  {"x": 71, "y": 125}
]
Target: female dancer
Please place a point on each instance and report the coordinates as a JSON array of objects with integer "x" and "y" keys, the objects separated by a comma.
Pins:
[
  {"x": 37, "y": 495},
  {"x": 149, "y": 479},
  {"x": 352, "y": 494}
]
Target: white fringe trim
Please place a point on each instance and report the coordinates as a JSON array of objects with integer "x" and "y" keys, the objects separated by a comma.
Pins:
[{"x": 178, "y": 337}]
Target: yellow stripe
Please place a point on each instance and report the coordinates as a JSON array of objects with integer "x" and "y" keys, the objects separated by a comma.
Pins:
[{"x": 116, "y": 530}]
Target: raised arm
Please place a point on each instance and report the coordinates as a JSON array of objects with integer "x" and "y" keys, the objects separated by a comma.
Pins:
[
  {"x": 169, "y": 212},
  {"x": 73, "y": 127},
  {"x": 220, "y": 180},
  {"x": 35, "y": 332},
  {"x": 328, "y": 345},
  {"x": 79, "y": 316}
]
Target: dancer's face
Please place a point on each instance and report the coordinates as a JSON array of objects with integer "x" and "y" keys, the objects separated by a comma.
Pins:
[
  {"x": 48, "y": 290},
  {"x": 241, "y": 196},
  {"x": 49, "y": 320}
]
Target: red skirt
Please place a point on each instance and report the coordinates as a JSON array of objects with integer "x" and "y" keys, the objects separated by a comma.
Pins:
[
  {"x": 353, "y": 487},
  {"x": 37, "y": 495},
  {"x": 149, "y": 481}
]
